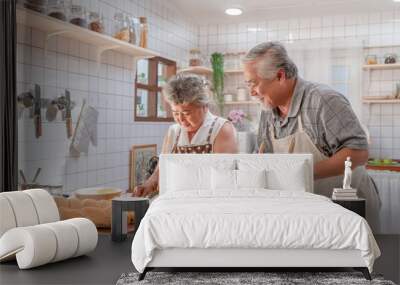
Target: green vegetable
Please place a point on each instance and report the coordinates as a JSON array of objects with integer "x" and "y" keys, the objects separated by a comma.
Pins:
[{"x": 217, "y": 62}]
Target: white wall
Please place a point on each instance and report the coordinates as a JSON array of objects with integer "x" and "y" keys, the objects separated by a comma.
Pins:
[
  {"x": 109, "y": 89},
  {"x": 374, "y": 29}
]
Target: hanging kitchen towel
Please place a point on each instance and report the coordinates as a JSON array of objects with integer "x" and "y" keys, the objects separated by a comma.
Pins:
[{"x": 85, "y": 131}]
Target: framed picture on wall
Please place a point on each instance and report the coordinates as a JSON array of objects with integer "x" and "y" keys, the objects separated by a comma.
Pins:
[{"x": 139, "y": 163}]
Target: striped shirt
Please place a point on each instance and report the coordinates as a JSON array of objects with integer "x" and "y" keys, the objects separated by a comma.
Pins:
[{"x": 327, "y": 118}]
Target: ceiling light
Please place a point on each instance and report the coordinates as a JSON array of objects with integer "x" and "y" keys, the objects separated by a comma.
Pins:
[
  {"x": 396, "y": 0},
  {"x": 233, "y": 11}
]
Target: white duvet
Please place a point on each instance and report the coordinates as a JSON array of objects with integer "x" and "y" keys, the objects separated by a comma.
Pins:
[{"x": 256, "y": 218}]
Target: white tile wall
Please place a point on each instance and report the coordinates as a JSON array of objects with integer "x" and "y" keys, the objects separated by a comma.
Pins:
[
  {"x": 375, "y": 29},
  {"x": 108, "y": 87}
]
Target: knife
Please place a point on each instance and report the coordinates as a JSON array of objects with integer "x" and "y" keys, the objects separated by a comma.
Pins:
[
  {"x": 37, "y": 112},
  {"x": 68, "y": 117}
]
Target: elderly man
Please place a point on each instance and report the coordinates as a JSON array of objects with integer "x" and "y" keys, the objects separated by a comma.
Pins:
[{"x": 306, "y": 117}]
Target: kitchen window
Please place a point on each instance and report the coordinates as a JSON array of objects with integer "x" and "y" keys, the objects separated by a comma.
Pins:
[{"x": 151, "y": 75}]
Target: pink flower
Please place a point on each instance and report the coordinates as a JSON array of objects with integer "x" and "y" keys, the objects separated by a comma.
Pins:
[{"x": 236, "y": 117}]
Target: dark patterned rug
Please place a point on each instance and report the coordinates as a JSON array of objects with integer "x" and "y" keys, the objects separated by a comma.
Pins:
[{"x": 270, "y": 278}]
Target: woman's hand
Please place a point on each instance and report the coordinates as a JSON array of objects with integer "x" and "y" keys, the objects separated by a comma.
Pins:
[{"x": 144, "y": 190}]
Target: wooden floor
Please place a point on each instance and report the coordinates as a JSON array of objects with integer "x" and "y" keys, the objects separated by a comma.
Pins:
[
  {"x": 102, "y": 266},
  {"x": 111, "y": 259}
]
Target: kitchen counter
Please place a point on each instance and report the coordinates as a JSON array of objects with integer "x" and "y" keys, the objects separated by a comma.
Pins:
[{"x": 384, "y": 167}]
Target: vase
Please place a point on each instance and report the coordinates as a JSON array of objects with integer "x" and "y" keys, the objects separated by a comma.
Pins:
[{"x": 245, "y": 142}]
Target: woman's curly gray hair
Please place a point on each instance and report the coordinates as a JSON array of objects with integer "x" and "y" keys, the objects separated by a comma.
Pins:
[{"x": 187, "y": 88}]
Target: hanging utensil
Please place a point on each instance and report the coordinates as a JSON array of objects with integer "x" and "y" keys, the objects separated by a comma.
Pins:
[
  {"x": 51, "y": 111},
  {"x": 23, "y": 176},
  {"x": 37, "y": 112},
  {"x": 68, "y": 117},
  {"x": 36, "y": 175}
]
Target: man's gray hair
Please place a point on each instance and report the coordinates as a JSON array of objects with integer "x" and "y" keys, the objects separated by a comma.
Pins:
[
  {"x": 187, "y": 88},
  {"x": 269, "y": 58}
]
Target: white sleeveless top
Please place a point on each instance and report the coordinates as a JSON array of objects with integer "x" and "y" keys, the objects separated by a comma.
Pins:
[{"x": 200, "y": 138}]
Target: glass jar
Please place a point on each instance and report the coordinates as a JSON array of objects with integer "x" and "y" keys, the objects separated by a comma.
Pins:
[
  {"x": 242, "y": 94},
  {"x": 390, "y": 58},
  {"x": 121, "y": 27},
  {"x": 35, "y": 5},
  {"x": 78, "y": 16},
  {"x": 241, "y": 56},
  {"x": 195, "y": 57},
  {"x": 229, "y": 61},
  {"x": 57, "y": 9},
  {"x": 371, "y": 59},
  {"x": 96, "y": 22}
]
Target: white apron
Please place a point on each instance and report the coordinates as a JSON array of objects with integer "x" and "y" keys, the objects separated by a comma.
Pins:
[{"x": 300, "y": 142}]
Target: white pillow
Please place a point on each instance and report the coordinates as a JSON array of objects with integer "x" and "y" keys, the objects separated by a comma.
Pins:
[
  {"x": 251, "y": 178},
  {"x": 226, "y": 179},
  {"x": 287, "y": 175},
  {"x": 293, "y": 178},
  {"x": 183, "y": 177},
  {"x": 223, "y": 179}
]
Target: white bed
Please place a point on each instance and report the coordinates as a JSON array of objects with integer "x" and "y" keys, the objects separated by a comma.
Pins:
[{"x": 247, "y": 211}]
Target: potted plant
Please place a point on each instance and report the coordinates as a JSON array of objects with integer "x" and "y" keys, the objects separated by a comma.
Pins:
[{"x": 217, "y": 63}]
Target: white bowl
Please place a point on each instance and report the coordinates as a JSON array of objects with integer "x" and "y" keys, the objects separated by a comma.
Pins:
[{"x": 98, "y": 193}]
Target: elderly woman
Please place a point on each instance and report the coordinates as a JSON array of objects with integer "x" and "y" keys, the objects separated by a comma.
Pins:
[{"x": 196, "y": 129}]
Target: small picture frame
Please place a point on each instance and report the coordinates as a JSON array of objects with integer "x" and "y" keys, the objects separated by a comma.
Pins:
[{"x": 139, "y": 158}]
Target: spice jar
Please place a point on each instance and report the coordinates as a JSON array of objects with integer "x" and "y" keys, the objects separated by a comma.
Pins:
[
  {"x": 96, "y": 22},
  {"x": 195, "y": 57},
  {"x": 143, "y": 32},
  {"x": 35, "y": 5},
  {"x": 229, "y": 60},
  {"x": 78, "y": 16},
  {"x": 371, "y": 59},
  {"x": 57, "y": 9},
  {"x": 121, "y": 27},
  {"x": 390, "y": 58},
  {"x": 241, "y": 94}
]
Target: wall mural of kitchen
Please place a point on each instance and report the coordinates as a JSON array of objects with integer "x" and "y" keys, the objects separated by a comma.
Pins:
[{"x": 90, "y": 75}]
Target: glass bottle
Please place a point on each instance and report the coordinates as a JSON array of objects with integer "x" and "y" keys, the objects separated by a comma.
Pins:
[
  {"x": 57, "y": 9},
  {"x": 143, "y": 32},
  {"x": 195, "y": 57},
  {"x": 133, "y": 30},
  {"x": 78, "y": 16},
  {"x": 121, "y": 27}
]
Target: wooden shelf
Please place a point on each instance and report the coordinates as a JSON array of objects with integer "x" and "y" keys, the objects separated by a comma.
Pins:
[
  {"x": 54, "y": 27},
  {"x": 381, "y": 101},
  {"x": 241, "y": 102},
  {"x": 233, "y": 71},
  {"x": 381, "y": 66},
  {"x": 201, "y": 70}
]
